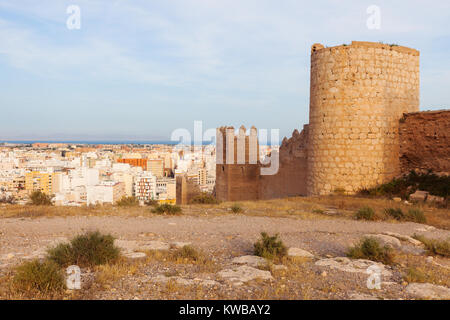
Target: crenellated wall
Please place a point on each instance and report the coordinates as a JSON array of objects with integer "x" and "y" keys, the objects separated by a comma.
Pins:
[
  {"x": 291, "y": 177},
  {"x": 237, "y": 171},
  {"x": 364, "y": 130}
]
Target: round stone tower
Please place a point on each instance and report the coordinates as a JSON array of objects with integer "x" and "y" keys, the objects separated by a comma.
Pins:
[{"x": 358, "y": 94}]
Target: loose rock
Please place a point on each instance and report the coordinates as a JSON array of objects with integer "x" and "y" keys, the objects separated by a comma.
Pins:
[
  {"x": 428, "y": 291},
  {"x": 244, "y": 274},
  {"x": 297, "y": 252},
  {"x": 253, "y": 261},
  {"x": 347, "y": 265}
]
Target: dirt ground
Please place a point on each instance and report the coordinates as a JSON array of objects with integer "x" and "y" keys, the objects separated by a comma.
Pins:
[{"x": 221, "y": 236}]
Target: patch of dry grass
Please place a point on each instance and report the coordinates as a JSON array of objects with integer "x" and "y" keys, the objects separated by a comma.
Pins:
[
  {"x": 108, "y": 274},
  {"x": 417, "y": 269},
  {"x": 186, "y": 255},
  {"x": 298, "y": 207}
]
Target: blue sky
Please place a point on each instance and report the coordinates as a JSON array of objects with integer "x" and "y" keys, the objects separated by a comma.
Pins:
[{"x": 140, "y": 69}]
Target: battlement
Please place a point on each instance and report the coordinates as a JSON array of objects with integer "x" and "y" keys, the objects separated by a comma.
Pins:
[
  {"x": 319, "y": 48},
  {"x": 361, "y": 95},
  {"x": 237, "y": 148}
]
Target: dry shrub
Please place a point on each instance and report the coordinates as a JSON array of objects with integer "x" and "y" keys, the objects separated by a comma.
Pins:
[
  {"x": 436, "y": 247},
  {"x": 88, "y": 250},
  {"x": 39, "y": 277},
  {"x": 270, "y": 247},
  {"x": 370, "y": 249}
]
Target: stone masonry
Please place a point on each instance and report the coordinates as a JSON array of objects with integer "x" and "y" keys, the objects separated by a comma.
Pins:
[
  {"x": 359, "y": 93},
  {"x": 425, "y": 141}
]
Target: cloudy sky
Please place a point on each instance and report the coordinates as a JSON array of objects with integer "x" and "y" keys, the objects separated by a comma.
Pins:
[{"x": 139, "y": 69}]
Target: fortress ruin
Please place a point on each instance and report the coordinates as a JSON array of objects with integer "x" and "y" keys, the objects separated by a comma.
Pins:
[{"x": 364, "y": 129}]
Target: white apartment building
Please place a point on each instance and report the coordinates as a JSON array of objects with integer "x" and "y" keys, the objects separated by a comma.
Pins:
[{"x": 145, "y": 186}]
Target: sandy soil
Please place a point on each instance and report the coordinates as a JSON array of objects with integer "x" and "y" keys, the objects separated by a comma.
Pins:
[{"x": 221, "y": 238}]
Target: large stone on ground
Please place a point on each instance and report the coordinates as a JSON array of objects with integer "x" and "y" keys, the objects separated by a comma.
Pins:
[
  {"x": 154, "y": 245},
  {"x": 419, "y": 196},
  {"x": 348, "y": 265},
  {"x": 179, "y": 245},
  {"x": 253, "y": 261},
  {"x": 403, "y": 238},
  {"x": 436, "y": 199},
  {"x": 297, "y": 252},
  {"x": 428, "y": 291},
  {"x": 243, "y": 274},
  {"x": 135, "y": 255},
  {"x": 386, "y": 240},
  {"x": 131, "y": 245}
]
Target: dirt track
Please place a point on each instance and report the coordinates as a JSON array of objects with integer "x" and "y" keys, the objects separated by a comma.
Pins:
[
  {"x": 232, "y": 232},
  {"x": 220, "y": 238}
]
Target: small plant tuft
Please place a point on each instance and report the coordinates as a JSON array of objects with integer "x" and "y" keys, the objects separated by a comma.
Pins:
[
  {"x": 370, "y": 249},
  {"x": 166, "y": 208},
  {"x": 39, "y": 198},
  {"x": 236, "y": 208},
  {"x": 434, "y": 246},
  {"x": 395, "y": 213},
  {"x": 151, "y": 203},
  {"x": 415, "y": 275},
  {"x": 127, "y": 202},
  {"x": 186, "y": 253},
  {"x": 270, "y": 247},
  {"x": 88, "y": 250},
  {"x": 416, "y": 215},
  {"x": 365, "y": 213},
  {"x": 204, "y": 198},
  {"x": 36, "y": 276}
]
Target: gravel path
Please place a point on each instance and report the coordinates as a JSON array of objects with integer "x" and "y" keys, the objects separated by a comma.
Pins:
[
  {"x": 221, "y": 238},
  {"x": 233, "y": 232}
]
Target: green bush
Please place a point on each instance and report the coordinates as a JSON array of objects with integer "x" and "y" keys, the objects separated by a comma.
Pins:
[
  {"x": 39, "y": 198},
  {"x": 35, "y": 275},
  {"x": 236, "y": 208},
  {"x": 365, "y": 213},
  {"x": 204, "y": 198},
  {"x": 151, "y": 203},
  {"x": 395, "y": 213},
  {"x": 416, "y": 215},
  {"x": 127, "y": 202},
  {"x": 88, "y": 250},
  {"x": 415, "y": 275},
  {"x": 167, "y": 209},
  {"x": 370, "y": 249},
  {"x": 186, "y": 252},
  {"x": 404, "y": 186},
  {"x": 269, "y": 247},
  {"x": 436, "y": 247}
]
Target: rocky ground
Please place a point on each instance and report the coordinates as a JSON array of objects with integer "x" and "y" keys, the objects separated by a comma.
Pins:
[{"x": 316, "y": 267}]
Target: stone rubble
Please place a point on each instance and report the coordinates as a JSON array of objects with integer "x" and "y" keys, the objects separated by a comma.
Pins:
[
  {"x": 244, "y": 274},
  {"x": 252, "y": 261},
  {"x": 428, "y": 291},
  {"x": 297, "y": 252},
  {"x": 348, "y": 265}
]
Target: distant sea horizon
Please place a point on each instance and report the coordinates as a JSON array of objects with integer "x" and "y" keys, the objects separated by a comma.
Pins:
[
  {"x": 97, "y": 142},
  {"x": 104, "y": 142}
]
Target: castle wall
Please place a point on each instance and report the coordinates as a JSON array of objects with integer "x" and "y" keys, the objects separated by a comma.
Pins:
[
  {"x": 425, "y": 141},
  {"x": 358, "y": 94},
  {"x": 291, "y": 177},
  {"x": 237, "y": 171},
  {"x": 186, "y": 190}
]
